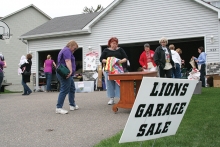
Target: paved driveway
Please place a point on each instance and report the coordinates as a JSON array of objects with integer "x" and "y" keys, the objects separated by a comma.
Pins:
[{"x": 30, "y": 121}]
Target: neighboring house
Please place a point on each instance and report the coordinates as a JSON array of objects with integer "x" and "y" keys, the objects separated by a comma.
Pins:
[
  {"x": 187, "y": 24},
  {"x": 19, "y": 23}
]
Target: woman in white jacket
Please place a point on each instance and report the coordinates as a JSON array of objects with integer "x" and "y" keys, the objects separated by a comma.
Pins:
[{"x": 176, "y": 71}]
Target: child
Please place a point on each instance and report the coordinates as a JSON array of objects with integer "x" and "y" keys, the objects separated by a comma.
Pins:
[{"x": 22, "y": 61}]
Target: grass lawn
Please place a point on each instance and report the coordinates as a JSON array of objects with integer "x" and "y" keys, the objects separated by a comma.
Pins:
[
  {"x": 200, "y": 126},
  {"x": 7, "y": 92}
]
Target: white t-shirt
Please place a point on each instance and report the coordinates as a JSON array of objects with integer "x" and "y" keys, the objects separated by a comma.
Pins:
[
  {"x": 176, "y": 57},
  {"x": 167, "y": 59}
]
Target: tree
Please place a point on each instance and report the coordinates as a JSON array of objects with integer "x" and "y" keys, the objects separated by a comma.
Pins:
[{"x": 92, "y": 10}]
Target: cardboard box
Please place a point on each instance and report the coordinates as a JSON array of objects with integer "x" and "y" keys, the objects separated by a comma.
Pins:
[{"x": 216, "y": 81}]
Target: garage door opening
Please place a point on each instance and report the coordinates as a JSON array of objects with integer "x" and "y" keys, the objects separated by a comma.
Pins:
[
  {"x": 54, "y": 54},
  {"x": 189, "y": 48}
]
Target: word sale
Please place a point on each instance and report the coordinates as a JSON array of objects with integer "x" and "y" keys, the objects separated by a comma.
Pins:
[{"x": 153, "y": 129}]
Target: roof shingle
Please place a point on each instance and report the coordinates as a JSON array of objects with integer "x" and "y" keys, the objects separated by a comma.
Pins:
[{"x": 65, "y": 23}]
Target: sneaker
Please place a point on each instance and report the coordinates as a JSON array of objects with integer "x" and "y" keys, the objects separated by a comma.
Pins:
[
  {"x": 61, "y": 111},
  {"x": 111, "y": 101},
  {"x": 74, "y": 108},
  {"x": 29, "y": 93}
]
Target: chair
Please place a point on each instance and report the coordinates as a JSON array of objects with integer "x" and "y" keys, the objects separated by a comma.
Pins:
[{"x": 184, "y": 73}]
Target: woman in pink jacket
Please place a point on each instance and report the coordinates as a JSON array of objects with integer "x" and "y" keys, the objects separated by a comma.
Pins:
[
  {"x": 48, "y": 67},
  {"x": 146, "y": 59}
]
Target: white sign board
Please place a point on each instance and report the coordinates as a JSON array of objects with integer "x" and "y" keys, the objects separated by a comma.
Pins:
[
  {"x": 158, "y": 109},
  {"x": 90, "y": 62}
]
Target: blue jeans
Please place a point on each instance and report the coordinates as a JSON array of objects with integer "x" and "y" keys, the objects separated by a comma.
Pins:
[
  {"x": 25, "y": 86},
  {"x": 67, "y": 86},
  {"x": 113, "y": 89},
  {"x": 176, "y": 71},
  {"x": 48, "y": 78}
]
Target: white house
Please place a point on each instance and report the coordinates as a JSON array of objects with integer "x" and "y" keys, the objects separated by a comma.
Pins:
[
  {"x": 19, "y": 23},
  {"x": 187, "y": 24}
]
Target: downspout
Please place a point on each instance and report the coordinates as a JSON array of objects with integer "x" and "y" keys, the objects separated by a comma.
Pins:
[{"x": 23, "y": 41}]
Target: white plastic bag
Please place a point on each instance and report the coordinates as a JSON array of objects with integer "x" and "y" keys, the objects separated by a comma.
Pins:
[{"x": 194, "y": 74}]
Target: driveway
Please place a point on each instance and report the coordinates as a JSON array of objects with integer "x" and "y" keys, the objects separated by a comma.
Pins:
[{"x": 31, "y": 121}]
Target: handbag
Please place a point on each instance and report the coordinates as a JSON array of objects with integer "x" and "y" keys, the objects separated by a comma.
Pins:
[
  {"x": 63, "y": 71},
  {"x": 27, "y": 73}
]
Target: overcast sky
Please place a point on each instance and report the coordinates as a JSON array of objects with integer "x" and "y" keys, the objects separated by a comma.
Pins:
[{"x": 53, "y": 8}]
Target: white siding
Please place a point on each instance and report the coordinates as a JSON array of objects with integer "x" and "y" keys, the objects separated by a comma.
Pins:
[
  {"x": 19, "y": 24},
  {"x": 150, "y": 20},
  {"x": 145, "y": 20}
]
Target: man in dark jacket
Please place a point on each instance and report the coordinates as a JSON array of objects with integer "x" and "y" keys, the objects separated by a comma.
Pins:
[{"x": 163, "y": 59}]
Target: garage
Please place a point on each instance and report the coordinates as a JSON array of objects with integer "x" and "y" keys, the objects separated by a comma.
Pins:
[{"x": 189, "y": 48}]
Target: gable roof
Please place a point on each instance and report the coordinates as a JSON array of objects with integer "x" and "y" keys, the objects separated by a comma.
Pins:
[
  {"x": 116, "y": 2},
  {"x": 61, "y": 25},
  {"x": 103, "y": 13},
  {"x": 31, "y": 5},
  {"x": 87, "y": 24},
  {"x": 209, "y": 2},
  {"x": 208, "y": 5}
]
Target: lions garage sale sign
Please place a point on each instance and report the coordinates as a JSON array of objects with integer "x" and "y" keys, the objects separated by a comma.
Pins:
[{"x": 158, "y": 109}]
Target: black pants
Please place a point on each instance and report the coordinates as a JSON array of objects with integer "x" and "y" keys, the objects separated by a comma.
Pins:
[
  {"x": 202, "y": 74},
  {"x": 1, "y": 78},
  {"x": 165, "y": 73}
]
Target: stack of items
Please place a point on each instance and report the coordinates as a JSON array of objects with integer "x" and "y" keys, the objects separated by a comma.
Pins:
[
  {"x": 195, "y": 75},
  {"x": 213, "y": 74},
  {"x": 213, "y": 68},
  {"x": 89, "y": 75}
]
